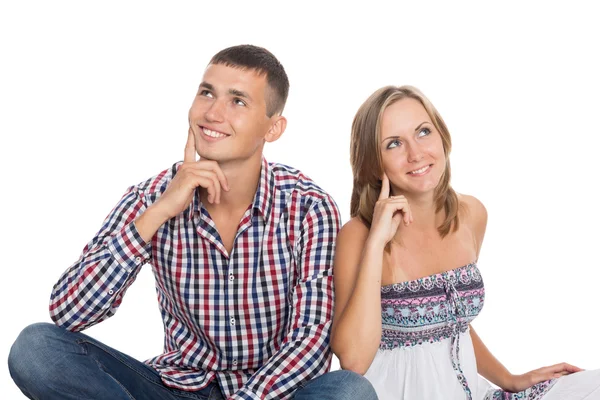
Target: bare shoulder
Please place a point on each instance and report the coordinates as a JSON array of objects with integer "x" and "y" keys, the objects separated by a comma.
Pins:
[
  {"x": 350, "y": 243},
  {"x": 354, "y": 231},
  {"x": 474, "y": 215},
  {"x": 473, "y": 209}
]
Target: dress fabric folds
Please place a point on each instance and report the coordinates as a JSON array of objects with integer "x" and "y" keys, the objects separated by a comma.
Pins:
[{"x": 426, "y": 351}]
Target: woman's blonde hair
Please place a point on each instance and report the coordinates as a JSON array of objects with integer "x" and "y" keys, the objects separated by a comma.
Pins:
[{"x": 367, "y": 166}]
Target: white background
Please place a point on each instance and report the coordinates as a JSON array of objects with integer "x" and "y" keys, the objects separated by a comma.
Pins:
[{"x": 94, "y": 98}]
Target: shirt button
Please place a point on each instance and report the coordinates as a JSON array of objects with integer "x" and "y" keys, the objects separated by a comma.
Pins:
[
  {"x": 138, "y": 260},
  {"x": 234, "y": 362},
  {"x": 110, "y": 292},
  {"x": 232, "y": 321},
  {"x": 231, "y": 278}
]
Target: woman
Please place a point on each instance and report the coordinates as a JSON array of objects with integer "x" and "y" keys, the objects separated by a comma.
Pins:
[{"x": 406, "y": 280}]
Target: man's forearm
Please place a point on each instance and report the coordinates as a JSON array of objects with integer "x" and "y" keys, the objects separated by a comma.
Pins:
[{"x": 148, "y": 223}]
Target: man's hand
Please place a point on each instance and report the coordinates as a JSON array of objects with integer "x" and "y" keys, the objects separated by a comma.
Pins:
[
  {"x": 191, "y": 174},
  {"x": 178, "y": 195}
]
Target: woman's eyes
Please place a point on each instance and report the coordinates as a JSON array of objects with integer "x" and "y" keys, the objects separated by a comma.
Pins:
[
  {"x": 393, "y": 143},
  {"x": 424, "y": 132},
  {"x": 396, "y": 142}
]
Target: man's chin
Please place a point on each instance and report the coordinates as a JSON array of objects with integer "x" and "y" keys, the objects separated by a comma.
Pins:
[{"x": 212, "y": 156}]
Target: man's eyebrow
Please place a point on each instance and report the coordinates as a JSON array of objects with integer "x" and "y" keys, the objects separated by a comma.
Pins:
[
  {"x": 232, "y": 92},
  {"x": 239, "y": 93}
]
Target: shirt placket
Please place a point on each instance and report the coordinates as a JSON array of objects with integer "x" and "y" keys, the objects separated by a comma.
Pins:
[
  {"x": 236, "y": 289},
  {"x": 207, "y": 229}
]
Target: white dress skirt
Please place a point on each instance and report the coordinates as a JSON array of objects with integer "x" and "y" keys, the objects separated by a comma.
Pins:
[{"x": 426, "y": 351}]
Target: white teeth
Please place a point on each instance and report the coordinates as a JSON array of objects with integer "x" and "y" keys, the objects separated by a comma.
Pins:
[
  {"x": 214, "y": 134},
  {"x": 420, "y": 171}
]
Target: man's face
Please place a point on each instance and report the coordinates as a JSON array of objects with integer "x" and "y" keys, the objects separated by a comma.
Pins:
[{"x": 228, "y": 116}]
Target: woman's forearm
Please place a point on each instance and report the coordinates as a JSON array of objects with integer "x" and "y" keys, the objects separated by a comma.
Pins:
[
  {"x": 487, "y": 365},
  {"x": 357, "y": 334}
]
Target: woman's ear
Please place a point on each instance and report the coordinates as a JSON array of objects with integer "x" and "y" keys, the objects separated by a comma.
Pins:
[{"x": 277, "y": 129}]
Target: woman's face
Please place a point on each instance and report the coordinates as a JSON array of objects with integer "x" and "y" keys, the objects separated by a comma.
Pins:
[{"x": 411, "y": 148}]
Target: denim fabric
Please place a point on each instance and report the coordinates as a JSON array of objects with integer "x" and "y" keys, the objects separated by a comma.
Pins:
[{"x": 48, "y": 362}]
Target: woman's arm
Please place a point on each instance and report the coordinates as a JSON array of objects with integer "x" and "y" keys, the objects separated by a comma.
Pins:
[
  {"x": 487, "y": 365},
  {"x": 356, "y": 331},
  {"x": 491, "y": 369}
]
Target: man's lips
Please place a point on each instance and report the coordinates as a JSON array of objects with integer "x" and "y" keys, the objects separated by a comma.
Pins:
[{"x": 212, "y": 133}]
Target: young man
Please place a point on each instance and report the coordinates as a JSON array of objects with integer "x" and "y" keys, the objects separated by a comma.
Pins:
[{"x": 242, "y": 253}]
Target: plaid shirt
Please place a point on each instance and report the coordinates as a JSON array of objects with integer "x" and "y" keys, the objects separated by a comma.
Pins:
[{"x": 257, "y": 319}]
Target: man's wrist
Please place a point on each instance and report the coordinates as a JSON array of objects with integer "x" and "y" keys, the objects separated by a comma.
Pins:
[{"x": 148, "y": 223}]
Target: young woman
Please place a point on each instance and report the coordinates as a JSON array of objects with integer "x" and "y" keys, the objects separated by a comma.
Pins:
[{"x": 406, "y": 279}]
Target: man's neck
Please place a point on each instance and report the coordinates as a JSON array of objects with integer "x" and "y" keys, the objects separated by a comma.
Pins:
[{"x": 243, "y": 180}]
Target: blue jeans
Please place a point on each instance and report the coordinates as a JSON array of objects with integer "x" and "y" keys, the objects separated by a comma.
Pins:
[{"x": 48, "y": 362}]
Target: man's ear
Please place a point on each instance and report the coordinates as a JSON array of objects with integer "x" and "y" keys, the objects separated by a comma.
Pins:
[{"x": 277, "y": 129}]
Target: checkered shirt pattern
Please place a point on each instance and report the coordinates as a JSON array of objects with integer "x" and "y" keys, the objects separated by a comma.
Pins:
[{"x": 257, "y": 320}]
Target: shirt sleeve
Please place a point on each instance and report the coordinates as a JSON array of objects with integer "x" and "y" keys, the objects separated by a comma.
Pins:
[
  {"x": 91, "y": 289},
  {"x": 304, "y": 353}
]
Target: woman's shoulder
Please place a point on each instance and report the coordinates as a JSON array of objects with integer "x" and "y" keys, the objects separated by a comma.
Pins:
[
  {"x": 472, "y": 208},
  {"x": 474, "y": 215},
  {"x": 354, "y": 231},
  {"x": 349, "y": 247},
  {"x": 471, "y": 201}
]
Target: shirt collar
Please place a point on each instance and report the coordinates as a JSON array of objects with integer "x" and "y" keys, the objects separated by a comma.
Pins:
[{"x": 263, "y": 198}]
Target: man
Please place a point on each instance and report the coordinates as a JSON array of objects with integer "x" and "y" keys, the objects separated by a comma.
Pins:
[{"x": 242, "y": 253}]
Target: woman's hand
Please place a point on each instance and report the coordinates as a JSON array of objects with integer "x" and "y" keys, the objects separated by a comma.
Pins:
[
  {"x": 518, "y": 383},
  {"x": 389, "y": 212}
]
